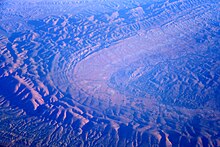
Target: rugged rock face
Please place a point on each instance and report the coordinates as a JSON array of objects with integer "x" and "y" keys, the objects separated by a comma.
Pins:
[{"x": 110, "y": 73}]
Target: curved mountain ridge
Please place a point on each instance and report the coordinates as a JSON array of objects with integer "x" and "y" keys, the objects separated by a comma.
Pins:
[{"x": 127, "y": 76}]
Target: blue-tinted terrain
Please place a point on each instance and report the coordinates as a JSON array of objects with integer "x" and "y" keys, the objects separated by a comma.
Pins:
[{"x": 110, "y": 73}]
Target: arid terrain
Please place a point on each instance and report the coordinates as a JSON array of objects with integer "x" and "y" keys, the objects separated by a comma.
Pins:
[{"x": 110, "y": 73}]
